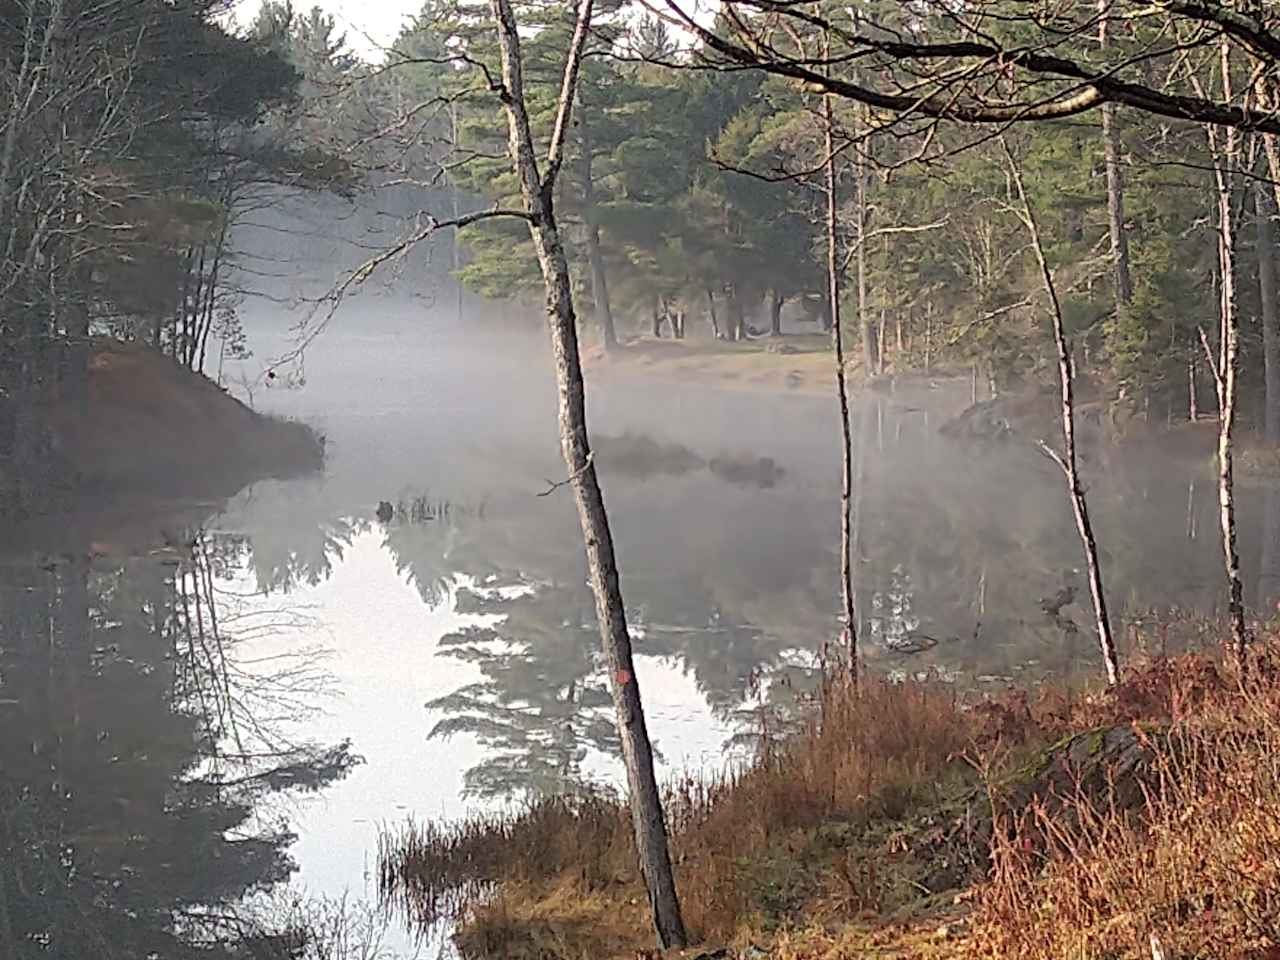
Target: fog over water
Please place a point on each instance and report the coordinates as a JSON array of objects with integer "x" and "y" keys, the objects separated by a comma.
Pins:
[
  {"x": 729, "y": 574},
  {"x": 425, "y": 596}
]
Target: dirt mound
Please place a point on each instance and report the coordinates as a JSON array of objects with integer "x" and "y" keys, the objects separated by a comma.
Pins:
[{"x": 152, "y": 425}]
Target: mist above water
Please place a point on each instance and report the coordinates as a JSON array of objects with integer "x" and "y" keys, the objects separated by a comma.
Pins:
[{"x": 451, "y": 639}]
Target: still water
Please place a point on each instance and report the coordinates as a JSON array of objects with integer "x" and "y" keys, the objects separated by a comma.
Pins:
[{"x": 182, "y": 707}]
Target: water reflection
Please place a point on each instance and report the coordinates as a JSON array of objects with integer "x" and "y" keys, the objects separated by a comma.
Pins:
[
  {"x": 542, "y": 702},
  {"x": 966, "y": 566},
  {"x": 137, "y": 759},
  {"x": 155, "y": 710}
]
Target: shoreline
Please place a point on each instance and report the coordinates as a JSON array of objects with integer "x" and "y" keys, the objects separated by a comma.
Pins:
[
  {"x": 155, "y": 448},
  {"x": 905, "y": 822}
]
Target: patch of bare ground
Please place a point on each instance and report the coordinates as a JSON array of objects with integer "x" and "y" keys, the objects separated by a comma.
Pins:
[{"x": 799, "y": 363}]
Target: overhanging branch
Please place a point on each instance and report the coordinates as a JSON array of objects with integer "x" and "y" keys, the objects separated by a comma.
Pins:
[{"x": 1091, "y": 88}]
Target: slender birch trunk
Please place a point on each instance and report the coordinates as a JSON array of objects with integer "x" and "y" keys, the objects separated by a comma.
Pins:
[
  {"x": 842, "y": 391},
  {"x": 1226, "y": 382},
  {"x": 537, "y": 191},
  {"x": 1227, "y": 365},
  {"x": 1067, "y": 459}
]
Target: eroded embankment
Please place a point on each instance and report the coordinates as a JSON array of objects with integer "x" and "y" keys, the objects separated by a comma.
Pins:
[
  {"x": 152, "y": 424},
  {"x": 151, "y": 439}
]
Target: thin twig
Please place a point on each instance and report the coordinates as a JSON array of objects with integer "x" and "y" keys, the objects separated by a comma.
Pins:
[{"x": 554, "y": 485}]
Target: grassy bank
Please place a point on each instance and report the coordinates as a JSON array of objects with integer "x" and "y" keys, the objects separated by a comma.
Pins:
[
  {"x": 150, "y": 424},
  {"x": 907, "y": 821},
  {"x": 152, "y": 447}
]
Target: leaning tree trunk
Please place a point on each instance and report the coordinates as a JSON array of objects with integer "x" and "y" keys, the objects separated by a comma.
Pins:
[
  {"x": 847, "y": 598},
  {"x": 1067, "y": 459},
  {"x": 537, "y": 192},
  {"x": 1115, "y": 189}
]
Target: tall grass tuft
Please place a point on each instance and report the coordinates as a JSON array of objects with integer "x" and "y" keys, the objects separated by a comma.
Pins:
[{"x": 738, "y": 839}]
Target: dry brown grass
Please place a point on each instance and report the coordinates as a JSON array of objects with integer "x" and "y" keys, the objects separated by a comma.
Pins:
[
  {"x": 778, "y": 841},
  {"x": 836, "y": 843},
  {"x": 799, "y": 363},
  {"x": 1195, "y": 862},
  {"x": 144, "y": 411}
]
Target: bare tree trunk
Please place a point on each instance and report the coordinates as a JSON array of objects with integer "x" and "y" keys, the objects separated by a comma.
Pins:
[
  {"x": 599, "y": 278},
  {"x": 882, "y": 340},
  {"x": 737, "y": 315},
  {"x": 1067, "y": 460},
  {"x": 1227, "y": 366},
  {"x": 776, "y": 300},
  {"x": 215, "y": 276},
  {"x": 186, "y": 353},
  {"x": 1115, "y": 188},
  {"x": 870, "y": 345},
  {"x": 711, "y": 315},
  {"x": 1193, "y": 402},
  {"x": 537, "y": 192},
  {"x": 1263, "y": 208},
  {"x": 837, "y": 340},
  {"x": 1227, "y": 390},
  {"x": 928, "y": 337}
]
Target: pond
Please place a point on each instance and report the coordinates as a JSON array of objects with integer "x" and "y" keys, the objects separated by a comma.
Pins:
[{"x": 238, "y": 688}]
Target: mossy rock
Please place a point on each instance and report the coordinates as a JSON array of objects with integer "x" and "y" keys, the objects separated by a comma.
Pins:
[
  {"x": 1105, "y": 764},
  {"x": 1105, "y": 768}
]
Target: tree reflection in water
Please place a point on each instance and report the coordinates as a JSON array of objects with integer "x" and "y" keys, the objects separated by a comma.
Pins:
[{"x": 138, "y": 761}]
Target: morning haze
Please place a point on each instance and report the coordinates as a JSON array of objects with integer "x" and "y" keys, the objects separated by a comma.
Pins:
[{"x": 609, "y": 480}]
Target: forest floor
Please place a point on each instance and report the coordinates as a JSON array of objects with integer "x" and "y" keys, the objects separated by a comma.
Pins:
[
  {"x": 795, "y": 362},
  {"x": 910, "y": 821},
  {"x": 155, "y": 437}
]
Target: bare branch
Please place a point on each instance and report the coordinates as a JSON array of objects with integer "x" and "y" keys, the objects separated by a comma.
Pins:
[
  {"x": 886, "y": 231},
  {"x": 1092, "y": 88},
  {"x": 554, "y": 485},
  {"x": 1213, "y": 360},
  {"x": 564, "y": 109},
  {"x": 366, "y": 269}
]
